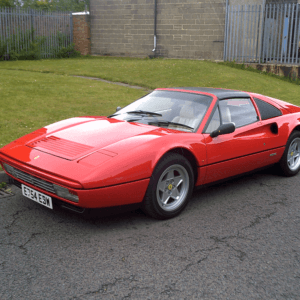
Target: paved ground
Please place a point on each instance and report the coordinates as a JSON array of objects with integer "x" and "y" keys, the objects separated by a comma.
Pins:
[
  {"x": 114, "y": 82},
  {"x": 238, "y": 240}
]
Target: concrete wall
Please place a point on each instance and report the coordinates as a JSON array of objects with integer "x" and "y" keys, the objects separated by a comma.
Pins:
[
  {"x": 281, "y": 1},
  {"x": 185, "y": 28},
  {"x": 261, "y": 2},
  {"x": 81, "y": 32},
  {"x": 248, "y": 2},
  {"x": 281, "y": 70}
]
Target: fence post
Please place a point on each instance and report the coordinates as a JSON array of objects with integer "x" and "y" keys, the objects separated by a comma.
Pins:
[
  {"x": 282, "y": 45},
  {"x": 244, "y": 15},
  {"x": 262, "y": 33},
  {"x": 255, "y": 34},
  {"x": 291, "y": 16},
  {"x": 6, "y": 27},
  {"x": 226, "y": 33},
  {"x": 237, "y": 35},
  {"x": 32, "y": 23},
  {"x": 71, "y": 27},
  {"x": 297, "y": 38}
]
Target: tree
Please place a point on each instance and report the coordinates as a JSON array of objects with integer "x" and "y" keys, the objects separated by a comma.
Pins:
[
  {"x": 7, "y": 3},
  {"x": 56, "y": 5},
  {"x": 70, "y": 5}
]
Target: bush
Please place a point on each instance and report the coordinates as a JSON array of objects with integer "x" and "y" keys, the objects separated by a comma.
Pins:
[
  {"x": 32, "y": 48},
  {"x": 3, "y": 49},
  {"x": 64, "y": 52},
  {"x": 67, "y": 52}
]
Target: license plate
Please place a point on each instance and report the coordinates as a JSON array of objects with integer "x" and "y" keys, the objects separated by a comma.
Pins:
[{"x": 37, "y": 196}]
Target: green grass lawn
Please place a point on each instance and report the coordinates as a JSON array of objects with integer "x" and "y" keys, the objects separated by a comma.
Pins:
[
  {"x": 32, "y": 100},
  {"x": 36, "y": 93},
  {"x": 153, "y": 73}
]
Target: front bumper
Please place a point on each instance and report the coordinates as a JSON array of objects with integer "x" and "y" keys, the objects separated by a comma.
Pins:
[
  {"x": 116, "y": 195},
  {"x": 55, "y": 201}
]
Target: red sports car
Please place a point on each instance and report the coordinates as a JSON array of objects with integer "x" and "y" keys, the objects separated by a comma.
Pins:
[{"x": 154, "y": 151}]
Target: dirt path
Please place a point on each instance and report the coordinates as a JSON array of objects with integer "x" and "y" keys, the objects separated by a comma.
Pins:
[{"x": 113, "y": 82}]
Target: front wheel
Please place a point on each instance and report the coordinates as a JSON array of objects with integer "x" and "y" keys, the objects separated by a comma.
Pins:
[
  {"x": 290, "y": 161},
  {"x": 170, "y": 187}
]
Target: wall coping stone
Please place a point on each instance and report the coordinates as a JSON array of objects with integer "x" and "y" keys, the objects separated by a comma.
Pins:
[{"x": 81, "y": 13}]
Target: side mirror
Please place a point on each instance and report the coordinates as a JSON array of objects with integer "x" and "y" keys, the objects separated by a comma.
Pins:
[
  {"x": 223, "y": 129},
  {"x": 118, "y": 108}
]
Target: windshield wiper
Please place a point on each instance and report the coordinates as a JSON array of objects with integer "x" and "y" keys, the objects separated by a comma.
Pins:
[
  {"x": 138, "y": 112},
  {"x": 132, "y": 120},
  {"x": 110, "y": 116},
  {"x": 141, "y": 112},
  {"x": 170, "y": 123}
]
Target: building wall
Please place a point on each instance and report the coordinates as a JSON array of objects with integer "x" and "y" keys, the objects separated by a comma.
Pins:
[
  {"x": 81, "y": 33},
  {"x": 185, "y": 28}
]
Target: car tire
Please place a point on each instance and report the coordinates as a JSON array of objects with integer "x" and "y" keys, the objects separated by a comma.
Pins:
[
  {"x": 170, "y": 187},
  {"x": 290, "y": 160}
]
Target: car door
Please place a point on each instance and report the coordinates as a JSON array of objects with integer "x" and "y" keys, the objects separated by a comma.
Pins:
[{"x": 252, "y": 145}]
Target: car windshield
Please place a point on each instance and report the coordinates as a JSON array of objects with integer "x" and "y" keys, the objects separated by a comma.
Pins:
[{"x": 175, "y": 110}]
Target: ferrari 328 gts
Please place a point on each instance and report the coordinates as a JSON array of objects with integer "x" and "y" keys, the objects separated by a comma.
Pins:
[{"x": 154, "y": 151}]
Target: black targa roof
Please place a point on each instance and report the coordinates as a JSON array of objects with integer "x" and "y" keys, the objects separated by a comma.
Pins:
[{"x": 220, "y": 93}]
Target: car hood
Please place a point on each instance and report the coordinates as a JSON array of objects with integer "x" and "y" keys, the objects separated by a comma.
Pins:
[
  {"x": 82, "y": 137},
  {"x": 94, "y": 152}
]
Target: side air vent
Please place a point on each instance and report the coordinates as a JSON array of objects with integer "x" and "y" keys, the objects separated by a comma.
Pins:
[{"x": 274, "y": 128}]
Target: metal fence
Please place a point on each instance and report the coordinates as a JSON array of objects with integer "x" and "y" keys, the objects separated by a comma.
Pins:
[
  {"x": 262, "y": 34},
  {"x": 20, "y": 28}
]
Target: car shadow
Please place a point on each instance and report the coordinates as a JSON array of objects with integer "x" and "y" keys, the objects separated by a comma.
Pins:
[
  {"x": 122, "y": 216},
  {"x": 228, "y": 183}
]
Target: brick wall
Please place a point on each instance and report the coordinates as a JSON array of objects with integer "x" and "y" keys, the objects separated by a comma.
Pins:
[
  {"x": 185, "y": 29},
  {"x": 81, "y": 32}
]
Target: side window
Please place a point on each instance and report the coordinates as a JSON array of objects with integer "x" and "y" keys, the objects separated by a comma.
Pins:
[
  {"x": 267, "y": 111},
  {"x": 214, "y": 122},
  {"x": 241, "y": 112}
]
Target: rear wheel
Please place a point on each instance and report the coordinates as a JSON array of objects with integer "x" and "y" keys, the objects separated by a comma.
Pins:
[
  {"x": 290, "y": 161},
  {"x": 170, "y": 187}
]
